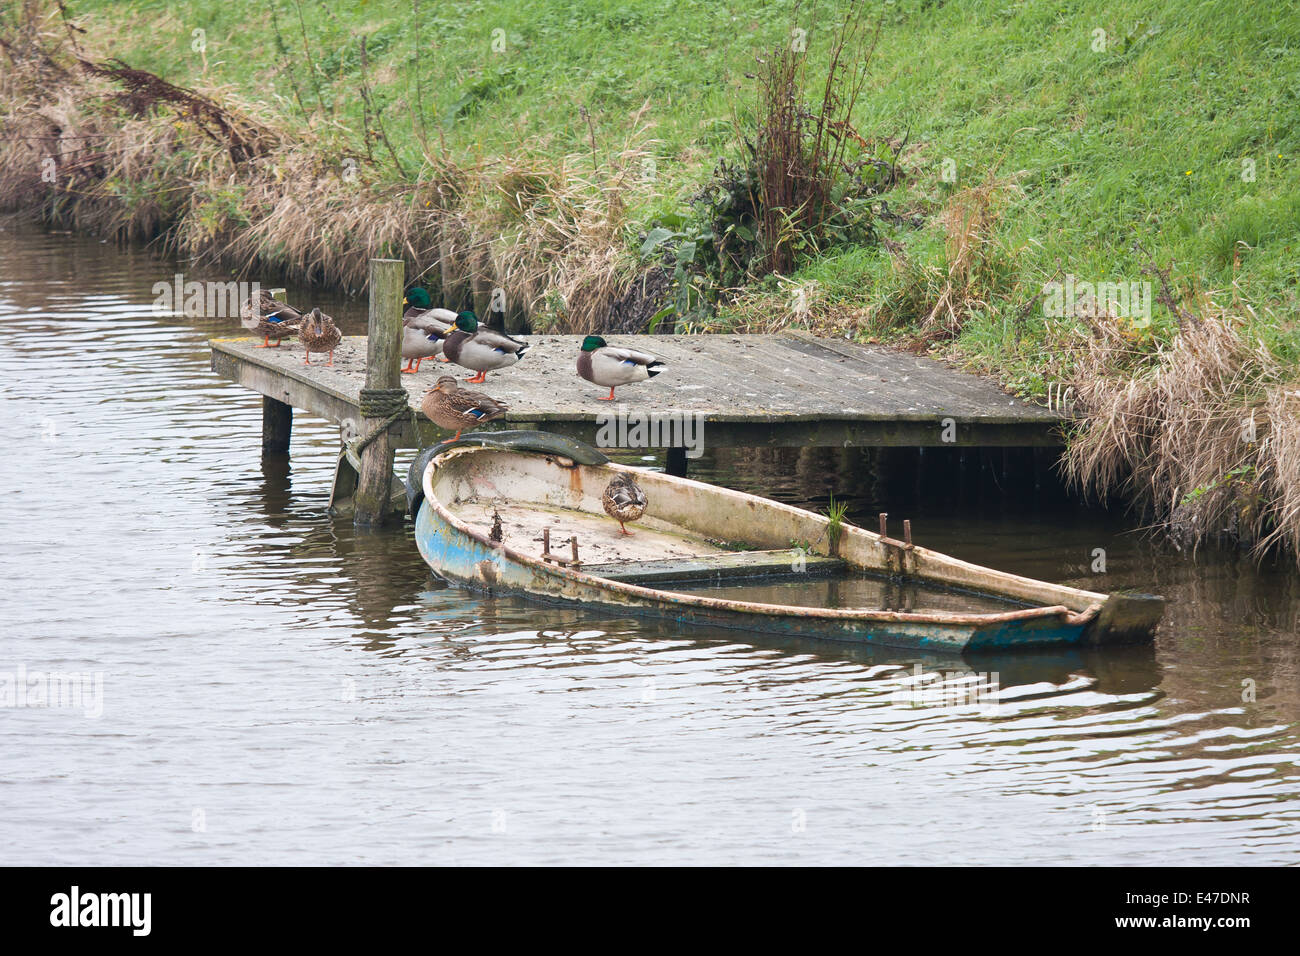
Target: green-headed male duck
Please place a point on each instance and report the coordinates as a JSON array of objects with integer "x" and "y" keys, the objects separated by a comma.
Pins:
[
  {"x": 610, "y": 366},
  {"x": 475, "y": 347}
]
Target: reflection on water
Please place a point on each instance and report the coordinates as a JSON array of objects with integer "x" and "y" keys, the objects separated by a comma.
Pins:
[{"x": 279, "y": 687}]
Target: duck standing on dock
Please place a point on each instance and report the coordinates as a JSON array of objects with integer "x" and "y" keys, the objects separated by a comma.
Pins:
[
  {"x": 319, "y": 334},
  {"x": 471, "y": 346},
  {"x": 270, "y": 318},
  {"x": 449, "y": 406},
  {"x": 623, "y": 500},
  {"x": 609, "y": 366},
  {"x": 424, "y": 329},
  {"x": 417, "y": 301}
]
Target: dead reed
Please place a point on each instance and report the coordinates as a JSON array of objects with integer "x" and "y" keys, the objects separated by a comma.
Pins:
[
  {"x": 1203, "y": 434},
  {"x": 100, "y": 147},
  {"x": 800, "y": 150}
]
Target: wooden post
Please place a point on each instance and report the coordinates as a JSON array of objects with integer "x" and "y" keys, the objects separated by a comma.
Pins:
[
  {"x": 383, "y": 370},
  {"x": 277, "y": 426},
  {"x": 675, "y": 462},
  {"x": 277, "y": 417}
]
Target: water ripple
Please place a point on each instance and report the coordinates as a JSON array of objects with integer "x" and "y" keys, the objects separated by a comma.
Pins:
[{"x": 277, "y": 687}]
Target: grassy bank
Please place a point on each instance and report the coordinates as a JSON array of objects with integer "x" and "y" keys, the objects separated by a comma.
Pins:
[{"x": 536, "y": 149}]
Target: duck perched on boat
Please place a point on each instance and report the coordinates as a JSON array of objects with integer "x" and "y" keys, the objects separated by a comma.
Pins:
[
  {"x": 270, "y": 318},
  {"x": 610, "y": 366},
  {"x": 472, "y": 346},
  {"x": 623, "y": 500},
  {"x": 539, "y": 480},
  {"x": 319, "y": 334},
  {"x": 424, "y": 329},
  {"x": 449, "y": 406}
]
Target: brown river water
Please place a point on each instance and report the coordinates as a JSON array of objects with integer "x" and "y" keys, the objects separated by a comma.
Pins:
[{"x": 265, "y": 685}]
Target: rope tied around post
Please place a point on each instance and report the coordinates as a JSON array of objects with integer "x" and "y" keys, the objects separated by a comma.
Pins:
[
  {"x": 383, "y": 400},
  {"x": 390, "y": 404}
]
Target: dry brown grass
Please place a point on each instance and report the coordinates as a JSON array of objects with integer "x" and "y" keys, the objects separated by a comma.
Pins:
[
  {"x": 1204, "y": 434},
  {"x": 559, "y": 232},
  {"x": 936, "y": 299},
  {"x": 798, "y": 304},
  {"x": 974, "y": 257},
  {"x": 799, "y": 153},
  {"x": 549, "y": 234}
]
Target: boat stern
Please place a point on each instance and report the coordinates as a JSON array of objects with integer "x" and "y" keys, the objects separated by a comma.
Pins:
[{"x": 1125, "y": 618}]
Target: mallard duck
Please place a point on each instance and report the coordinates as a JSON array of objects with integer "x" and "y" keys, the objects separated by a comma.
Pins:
[
  {"x": 623, "y": 500},
  {"x": 609, "y": 366},
  {"x": 449, "y": 406},
  {"x": 319, "y": 334},
  {"x": 417, "y": 300},
  {"x": 422, "y": 338},
  {"x": 424, "y": 329},
  {"x": 474, "y": 347},
  {"x": 270, "y": 318}
]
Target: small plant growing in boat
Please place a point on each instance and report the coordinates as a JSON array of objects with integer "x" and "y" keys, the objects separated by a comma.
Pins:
[{"x": 835, "y": 511}]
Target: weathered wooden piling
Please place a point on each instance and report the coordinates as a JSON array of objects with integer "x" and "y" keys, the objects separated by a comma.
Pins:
[
  {"x": 277, "y": 417},
  {"x": 675, "y": 462},
  {"x": 277, "y": 426},
  {"x": 383, "y": 373}
]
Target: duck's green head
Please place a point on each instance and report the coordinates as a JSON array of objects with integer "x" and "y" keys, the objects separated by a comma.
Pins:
[
  {"x": 593, "y": 342},
  {"x": 467, "y": 322},
  {"x": 419, "y": 298}
]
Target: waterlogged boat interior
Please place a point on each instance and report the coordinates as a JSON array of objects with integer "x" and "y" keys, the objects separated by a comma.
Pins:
[
  {"x": 537, "y": 504},
  {"x": 849, "y": 590},
  {"x": 666, "y": 557}
]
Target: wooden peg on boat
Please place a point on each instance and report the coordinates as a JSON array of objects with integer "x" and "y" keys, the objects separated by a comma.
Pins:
[
  {"x": 896, "y": 551},
  {"x": 547, "y": 555}
]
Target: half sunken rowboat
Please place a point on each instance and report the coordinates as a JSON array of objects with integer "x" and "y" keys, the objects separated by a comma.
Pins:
[{"x": 520, "y": 513}]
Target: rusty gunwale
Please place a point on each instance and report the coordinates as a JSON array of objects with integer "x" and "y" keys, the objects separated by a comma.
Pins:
[{"x": 1071, "y": 618}]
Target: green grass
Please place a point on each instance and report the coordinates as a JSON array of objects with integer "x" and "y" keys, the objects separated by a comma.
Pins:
[{"x": 1146, "y": 140}]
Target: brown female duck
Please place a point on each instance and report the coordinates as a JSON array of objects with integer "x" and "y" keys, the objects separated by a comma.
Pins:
[
  {"x": 623, "y": 500},
  {"x": 449, "y": 406},
  {"x": 319, "y": 334},
  {"x": 270, "y": 318}
]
